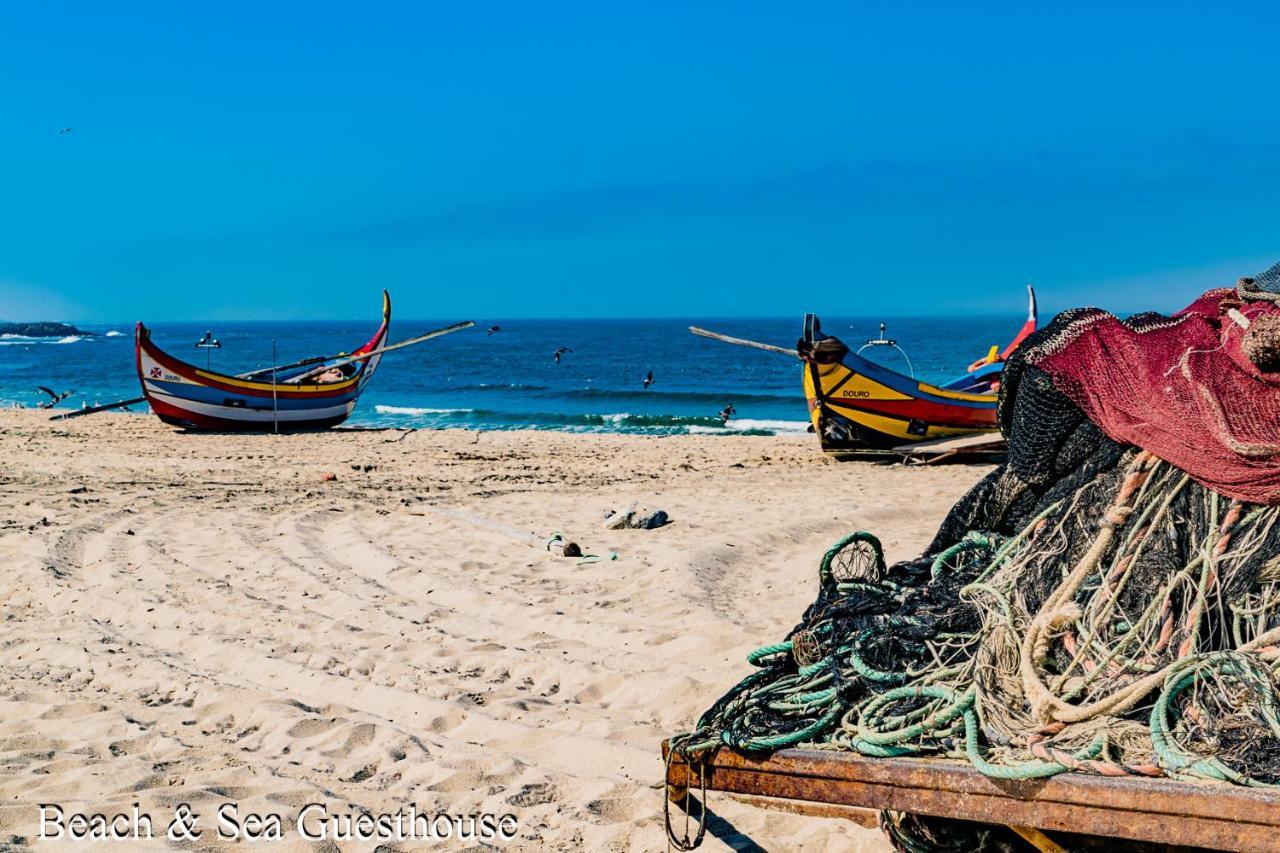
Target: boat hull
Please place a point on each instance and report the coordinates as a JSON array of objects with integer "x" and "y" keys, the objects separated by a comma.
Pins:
[
  {"x": 190, "y": 397},
  {"x": 857, "y": 406}
]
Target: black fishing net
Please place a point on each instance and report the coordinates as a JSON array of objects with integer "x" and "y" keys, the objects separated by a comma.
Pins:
[{"x": 1084, "y": 608}]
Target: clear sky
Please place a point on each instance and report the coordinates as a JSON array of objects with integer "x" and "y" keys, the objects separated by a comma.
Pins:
[{"x": 279, "y": 160}]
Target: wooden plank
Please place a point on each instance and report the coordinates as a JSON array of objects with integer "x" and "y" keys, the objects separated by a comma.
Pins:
[
  {"x": 937, "y": 450},
  {"x": 981, "y": 441},
  {"x": 1219, "y": 817}
]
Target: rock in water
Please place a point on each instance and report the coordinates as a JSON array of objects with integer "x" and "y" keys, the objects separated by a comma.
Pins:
[{"x": 42, "y": 330}]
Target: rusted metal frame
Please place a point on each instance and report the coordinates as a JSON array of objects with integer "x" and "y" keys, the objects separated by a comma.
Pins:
[
  {"x": 1213, "y": 816},
  {"x": 855, "y": 814}
]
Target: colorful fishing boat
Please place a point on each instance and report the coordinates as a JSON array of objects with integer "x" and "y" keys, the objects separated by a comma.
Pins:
[
  {"x": 857, "y": 405},
  {"x": 312, "y": 394}
]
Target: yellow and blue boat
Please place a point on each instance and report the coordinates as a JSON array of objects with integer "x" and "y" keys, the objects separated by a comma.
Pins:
[{"x": 857, "y": 405}]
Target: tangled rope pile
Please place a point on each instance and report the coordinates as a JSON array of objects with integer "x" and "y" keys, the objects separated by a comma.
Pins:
[
  {"x": 1149, "y": 650},
  {"x": 1087, "y": 607}
]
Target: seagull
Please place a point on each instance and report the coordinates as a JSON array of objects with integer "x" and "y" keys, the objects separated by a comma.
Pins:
[
  {"x": 648, "y": 380},
  {"x": 556, "y": 355},
  {"x": 493, "y": 329},
  {"x": 54, "y": 399},
  {"x": 65, "y": 130}
]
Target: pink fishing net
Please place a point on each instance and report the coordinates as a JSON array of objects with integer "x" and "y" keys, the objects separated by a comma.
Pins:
[{"x": 1182, "y": 387}]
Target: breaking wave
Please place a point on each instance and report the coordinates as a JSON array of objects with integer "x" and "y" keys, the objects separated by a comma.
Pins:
[
  {"x": 623, "y": 422},
  {"x": 27, "y": 340},
  {"x": 416, "y": 410},
  {"x": 623, "y": 395}
]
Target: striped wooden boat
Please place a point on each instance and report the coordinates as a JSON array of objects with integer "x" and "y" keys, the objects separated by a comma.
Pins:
[
  {"x": 315, "y": 394},
  {"x": 857, "y": 405}
]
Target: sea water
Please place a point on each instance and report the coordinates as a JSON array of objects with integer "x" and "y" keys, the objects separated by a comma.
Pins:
[{"x": 510, "y": 379}]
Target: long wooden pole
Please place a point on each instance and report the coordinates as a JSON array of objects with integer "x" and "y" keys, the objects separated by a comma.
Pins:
[
  {"x": 93, "y": 410},
  {"x": 743, "y": 342},
  {"x": 328, "y": 359},
  {"x": 447, "y": 330}
]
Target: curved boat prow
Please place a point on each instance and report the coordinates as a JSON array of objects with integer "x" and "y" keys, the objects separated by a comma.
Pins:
[{"x": 1033, "y": 315}]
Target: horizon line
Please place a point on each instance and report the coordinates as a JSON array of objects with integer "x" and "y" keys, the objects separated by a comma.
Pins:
[{"x": 547, "y": 318}]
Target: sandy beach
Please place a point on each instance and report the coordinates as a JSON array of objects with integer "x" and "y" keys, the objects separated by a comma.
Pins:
[{"x": 212, "y": 618}]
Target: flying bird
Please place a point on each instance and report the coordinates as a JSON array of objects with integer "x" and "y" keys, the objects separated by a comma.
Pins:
[
  {"x": 65, "y": 130},
  {"x": 648, "y": 380},
  {"x": 556, "y": 355},
  {"x": 493, "y": 329},
  {"x": 54, "y": 398}
]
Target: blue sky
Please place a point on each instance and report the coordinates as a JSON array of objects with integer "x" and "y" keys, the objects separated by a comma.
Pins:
[{"x": 653, "y": 159}]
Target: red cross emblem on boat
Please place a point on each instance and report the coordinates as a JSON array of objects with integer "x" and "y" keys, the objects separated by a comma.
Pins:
[{"x": 155, "y": 373}]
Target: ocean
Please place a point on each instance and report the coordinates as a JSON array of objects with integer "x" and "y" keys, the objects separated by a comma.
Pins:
[{"x": 510, "y": 380}]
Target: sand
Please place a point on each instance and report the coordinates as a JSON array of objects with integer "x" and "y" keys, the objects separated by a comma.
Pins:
[{"x": 207, "y": 619}]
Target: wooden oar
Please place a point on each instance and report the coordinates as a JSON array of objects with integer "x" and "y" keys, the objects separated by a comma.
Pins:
[
  {"x": 317, "y": 359},
  {"x": 743, "y": 342},
  {"x": 92, "y": 410},
  {"x": 456, "y": 327}
]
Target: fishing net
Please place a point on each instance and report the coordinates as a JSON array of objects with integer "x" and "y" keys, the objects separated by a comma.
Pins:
[
  {"x": 1183, "y": 387},
  {"x": 1101, "y": 603}
]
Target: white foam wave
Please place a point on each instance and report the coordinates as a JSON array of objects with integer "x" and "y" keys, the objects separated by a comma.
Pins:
[
  {"x": 416, "y": 410},
  {"x": 114, "y": 334},
  {"x": 771, "y": 426},
  {"x": 26, "y": 340},
  {"x": 752, "y": 425}
]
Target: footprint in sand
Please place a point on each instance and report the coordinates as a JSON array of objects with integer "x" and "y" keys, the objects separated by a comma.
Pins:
[
  {"x": 361, "y": 735},
  {"x": 535, "y": 794},
  {"x": 71, "y": 710},
  {"x": 609, "y": 810},
  {"x": 447, "y": 721},
  {"x": 311, "y": 727}
]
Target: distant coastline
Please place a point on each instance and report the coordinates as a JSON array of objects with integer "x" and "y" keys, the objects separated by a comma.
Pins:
[{"x": 43, "y": 329}]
